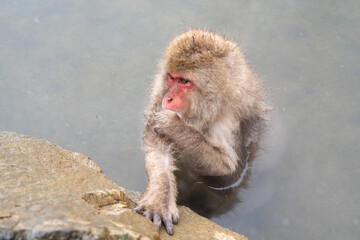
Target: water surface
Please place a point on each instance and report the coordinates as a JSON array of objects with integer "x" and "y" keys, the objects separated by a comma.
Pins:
[{"x": 77, "y": 72}]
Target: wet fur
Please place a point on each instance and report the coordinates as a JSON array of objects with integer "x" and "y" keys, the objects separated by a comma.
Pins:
[{"x": 226, "y": 112}]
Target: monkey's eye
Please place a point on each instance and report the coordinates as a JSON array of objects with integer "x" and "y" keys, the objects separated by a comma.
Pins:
[
  {"x": 184, "y": 80},
  {"x": 169, "y": 80},
  {"x": 171, "y": 77}
]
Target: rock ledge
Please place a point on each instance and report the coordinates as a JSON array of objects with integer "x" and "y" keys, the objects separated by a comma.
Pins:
[{"x": 47, "y": 192}]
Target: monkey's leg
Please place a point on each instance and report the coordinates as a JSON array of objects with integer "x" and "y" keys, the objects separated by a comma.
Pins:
[
  {"x": 159, "y": 201},
  {"x": 198, "y": 152}
]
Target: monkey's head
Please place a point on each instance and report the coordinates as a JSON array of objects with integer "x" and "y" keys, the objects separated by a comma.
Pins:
[{"x": 198, "y": 73}]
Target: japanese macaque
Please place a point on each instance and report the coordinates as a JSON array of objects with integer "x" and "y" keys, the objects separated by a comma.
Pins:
[{"x": 206, "y": 106}]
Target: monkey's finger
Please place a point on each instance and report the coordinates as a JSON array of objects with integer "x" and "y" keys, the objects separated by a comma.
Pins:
[
  {"x": 148, "y": 215},
  {"x": 139, "y": 209},
  {"x": 175, "y": 218},
  {"x": 157, "y": 220},
  {"x": 156, "y": 130},
  {"x": 169, "y": 226}
]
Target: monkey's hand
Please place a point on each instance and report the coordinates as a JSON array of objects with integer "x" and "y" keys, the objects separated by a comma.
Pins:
[
  {"x": 156, "y": 208},
  {"x": 165, "y": 122}
]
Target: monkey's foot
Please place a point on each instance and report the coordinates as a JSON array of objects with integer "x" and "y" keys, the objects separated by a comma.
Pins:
[{"x": 167, "y": 217}]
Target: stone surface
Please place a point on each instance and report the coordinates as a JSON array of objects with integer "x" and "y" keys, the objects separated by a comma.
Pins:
[{"x": 47, "y": 192}]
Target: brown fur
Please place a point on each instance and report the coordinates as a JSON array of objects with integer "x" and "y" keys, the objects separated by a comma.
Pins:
[{"x": 224, "y": 112}]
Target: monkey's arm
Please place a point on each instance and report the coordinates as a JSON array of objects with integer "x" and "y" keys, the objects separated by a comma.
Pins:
[
  {"x": 201, "y": 155},
  {"x": 159, "y": 201}
]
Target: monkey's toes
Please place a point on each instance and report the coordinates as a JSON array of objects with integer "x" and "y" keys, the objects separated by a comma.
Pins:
[
  {"x": 157, "y": 220},
  {"x": 139, "y": 209},
  {"x": 148, "y": 215},
  {"x": 168, "y": 223},
  {"x": 175, "y": 218},
  {"x": 168, "y": 220},
  {"x": 169, "y": 226}
]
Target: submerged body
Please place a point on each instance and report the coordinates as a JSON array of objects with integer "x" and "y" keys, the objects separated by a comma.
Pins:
[{"x": 206, "y": 106}]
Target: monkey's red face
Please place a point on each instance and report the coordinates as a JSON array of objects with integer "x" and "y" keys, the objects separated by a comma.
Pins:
[{"x": 178, "y": 90}]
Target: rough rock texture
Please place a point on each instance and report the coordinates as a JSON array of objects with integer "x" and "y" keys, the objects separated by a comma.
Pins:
[{"x": 47, "y": 192}]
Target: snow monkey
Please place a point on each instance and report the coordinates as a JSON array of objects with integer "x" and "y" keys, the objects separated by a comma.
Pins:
[{"x": 206, "y": 106}]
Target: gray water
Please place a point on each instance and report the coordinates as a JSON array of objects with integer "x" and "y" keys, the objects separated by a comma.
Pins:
[{"x": 77, "y": 72}]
